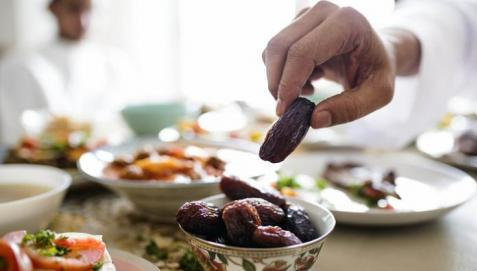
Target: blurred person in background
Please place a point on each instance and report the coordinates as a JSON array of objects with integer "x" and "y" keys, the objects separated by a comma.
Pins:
[
  {"x": 429, "y": 50},
  {"x": 70, "y": 76}
]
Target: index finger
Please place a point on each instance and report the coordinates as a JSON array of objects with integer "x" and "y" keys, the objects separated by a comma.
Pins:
[{"x": 275, "y": 53}]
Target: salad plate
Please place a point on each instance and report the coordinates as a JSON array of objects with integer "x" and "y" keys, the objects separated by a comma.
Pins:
[{"x": 422, "y": 189}]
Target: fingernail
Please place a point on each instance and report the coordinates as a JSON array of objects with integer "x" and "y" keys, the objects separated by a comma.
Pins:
[
  {"x": 280, "y": 107},
  {"x": 322, "y": 119}
]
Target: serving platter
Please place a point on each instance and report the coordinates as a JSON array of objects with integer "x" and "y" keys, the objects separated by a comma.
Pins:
[
  {"x": 160, "y": 199},
  {"x": 429, "y": 189},
  {"x": 240, "y": 156}
]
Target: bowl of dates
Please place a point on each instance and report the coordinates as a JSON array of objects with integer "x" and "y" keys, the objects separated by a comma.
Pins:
[{"x": 251, "y": 227}]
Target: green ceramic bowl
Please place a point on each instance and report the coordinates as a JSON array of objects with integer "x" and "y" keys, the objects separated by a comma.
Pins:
[{"x": 148, "y": 119}]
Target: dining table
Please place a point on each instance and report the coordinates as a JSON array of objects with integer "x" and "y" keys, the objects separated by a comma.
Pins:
[{"x": 445, "y": 244}]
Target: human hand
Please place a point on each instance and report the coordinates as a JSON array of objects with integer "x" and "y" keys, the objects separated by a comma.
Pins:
[{"x": 338, "y": 44}]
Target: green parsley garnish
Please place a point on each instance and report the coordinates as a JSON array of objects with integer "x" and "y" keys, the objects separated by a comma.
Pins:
[
  {"x": 188, "y": 262},
  {"x": 97, "y": 266},
  {"x": 153, "y": 250},
  {"x": 3, "y": 264},
  {"x": 43, "y": 241},
  {"x": 287, "y": 181},
  {"x": 321, "y": 183}
]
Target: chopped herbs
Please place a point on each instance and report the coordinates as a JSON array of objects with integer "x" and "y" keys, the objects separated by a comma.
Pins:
[
  {"x": 3, "y": 264},
  {"x": 155, "y": 251},
  {"x": 321, "y": 183},
  {"x": 286, "y": 181},
  {"x": 188, "y": 262},
  {"x": 43, "y": 241},
  {"x": 40, "y": 239},
  {"x": 97, "y": 266}
]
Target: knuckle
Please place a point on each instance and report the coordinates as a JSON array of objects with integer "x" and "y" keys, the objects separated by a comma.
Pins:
[
  {"x": 348, "y": 12},
  {"x": 299, "y": 51},
  {"x": 277, "y": 45},
  {"x": 325, "y": 5},
  {"x": 353, "y": 16}
]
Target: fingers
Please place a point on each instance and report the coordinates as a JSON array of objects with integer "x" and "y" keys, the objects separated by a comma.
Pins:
[
  {"x": 277, "y": 49},
  {"x": 313, "y": 50},
  {"x": 353, "y": 104},
  {"x": 333, "y": 37},
  {"x": 298, "y": 15},
  {"x": 295, "y": 74}
]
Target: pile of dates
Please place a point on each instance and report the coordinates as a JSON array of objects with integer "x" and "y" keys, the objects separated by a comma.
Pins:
[{"x": 257, "y": 217}]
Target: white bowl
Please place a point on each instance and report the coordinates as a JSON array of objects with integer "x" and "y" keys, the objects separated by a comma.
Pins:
[
  {"x": 302, "y": 257},
  {"x": 32, "y": 213},
  {"x": 161, "y": 200}
]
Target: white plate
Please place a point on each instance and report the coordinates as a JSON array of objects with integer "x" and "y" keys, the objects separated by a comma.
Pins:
[
  {"x": 429, "y": 189},
  {"x": 440, "y": 145},
  {"x": 240, "y": 156},
  {"x": 161, "y": 200},
  {"x": 125, "y": 261}
]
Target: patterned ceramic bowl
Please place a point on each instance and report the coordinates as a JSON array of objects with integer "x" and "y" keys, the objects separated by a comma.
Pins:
[{"x": 218, "y": 257}]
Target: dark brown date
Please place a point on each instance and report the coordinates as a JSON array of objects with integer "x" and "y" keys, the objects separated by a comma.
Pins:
[
  {"x": 200, "y": 218},
  {"x": 269, "y": 236},
  {"x": 240, "y": 219},
  {"x": 270, "y": 214},
  {"x": 299, "y": 222},
  {"x": 288, "y": 131},
  {"x": 235, "y": 188}
]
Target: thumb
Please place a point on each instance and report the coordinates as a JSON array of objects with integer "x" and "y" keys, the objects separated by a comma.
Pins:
[{"x": 351, "y": 105}]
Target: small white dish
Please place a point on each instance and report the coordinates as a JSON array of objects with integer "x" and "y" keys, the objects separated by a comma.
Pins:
[
  {"x": 125, "y": 261},
  {"x": 429, "y": 189},
  {"x": 35, "y": 212},
  {"x": 161, "y": 200},
  {"x": 440, "y": 145}
]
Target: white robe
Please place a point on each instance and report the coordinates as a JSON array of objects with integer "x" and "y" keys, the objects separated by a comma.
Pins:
[
  {"x": 79, "y": 79},
  {"x": 447, "y": 30}
]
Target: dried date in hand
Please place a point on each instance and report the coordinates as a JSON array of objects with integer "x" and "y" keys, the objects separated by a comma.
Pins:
[
  {"x": 240, "y": 219},
  {"x": 298, "y": 222},
  {"x": 270, "y": 214},
  {"x": 235, "y": 188},
  {"x": 200, "y": 218},
  {"x": 288, "y": 131},
  {"x": 269, "y": 236}
]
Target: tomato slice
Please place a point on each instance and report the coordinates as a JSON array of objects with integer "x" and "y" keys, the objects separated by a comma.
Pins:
[
  {"x": 84, "y": 254},
  {"x": 12, "y": 258}
]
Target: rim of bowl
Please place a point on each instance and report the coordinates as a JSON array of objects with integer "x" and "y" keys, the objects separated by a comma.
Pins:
[
  {"x": 234, "y": 144},
  {"x": 264, "y": 252},
  {"x": 65, "y": 178}
]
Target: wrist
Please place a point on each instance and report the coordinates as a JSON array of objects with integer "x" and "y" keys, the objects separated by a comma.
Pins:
[{"x": 404, "y": 50}]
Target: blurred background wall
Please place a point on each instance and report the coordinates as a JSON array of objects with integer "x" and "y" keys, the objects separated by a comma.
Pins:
[{"x": 208, "y": 50}]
